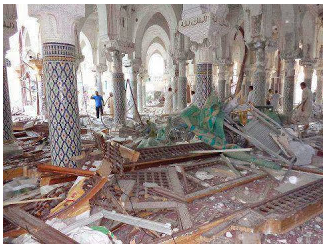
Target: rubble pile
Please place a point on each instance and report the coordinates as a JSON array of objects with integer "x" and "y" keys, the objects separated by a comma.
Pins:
[{"x": 169, "y": 179}]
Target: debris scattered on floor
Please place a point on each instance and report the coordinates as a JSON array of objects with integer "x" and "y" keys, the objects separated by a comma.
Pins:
[{"x": 182, "y": 178}]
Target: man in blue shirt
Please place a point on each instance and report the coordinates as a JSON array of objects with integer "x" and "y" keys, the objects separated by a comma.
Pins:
[{"x": 99, "y": 103}]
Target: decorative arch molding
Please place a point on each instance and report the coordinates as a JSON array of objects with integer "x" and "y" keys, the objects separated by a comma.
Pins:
[
  {"x": 84, "y": 41},
  {"x": 155, "y": 48},
  {"x": 152, "y": 33},
  {"x": 88, "y": 29},
  {"x": 146, "y": 14}
]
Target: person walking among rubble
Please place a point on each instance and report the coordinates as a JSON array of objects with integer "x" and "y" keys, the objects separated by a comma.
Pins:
[
  {"x": 304, "y": 109},
  {"x": 168, "y": 101},
  {"x": 99, "y": 103},
  {"x": 275, "y": 100},
  {"x": 251, "y": 95}
]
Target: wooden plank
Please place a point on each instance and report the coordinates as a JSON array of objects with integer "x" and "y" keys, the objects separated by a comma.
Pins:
[
  {"x": 183, "y": 210},
  {"x": 194, "y": 235},
  {"x": 63, "y": 170},
  {"x": 151, "y": 205},
  {"x": 167, "y": 193},
  {"x": 6, "y": 203},
  {"x": 14, "y": 233},
  {"x": 221, "y": 151},
  {"x": 53, "y": 180},
  {"x": 9, "y": 174},
  {"x": 42, "y": 232},
  {"x": 225, "y": 186},
  {"x": 138, "y": 222}
]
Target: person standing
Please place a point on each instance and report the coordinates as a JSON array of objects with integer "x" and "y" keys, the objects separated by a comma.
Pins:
[
  {"x": 168, "y": 101},
  {"x": 275, "y": 100},
  {"x": 269, "y": 97},
  {"x": 193, "y": 96},
  {"x": 304, "y": 110},
  {"x": 111, "y": 105},
  {"x": 99, "y": 103},
  {"x": 251, "y": 95}
]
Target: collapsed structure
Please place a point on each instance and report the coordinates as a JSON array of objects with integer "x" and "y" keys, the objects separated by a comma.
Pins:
[{"x": 215, "y": 170}]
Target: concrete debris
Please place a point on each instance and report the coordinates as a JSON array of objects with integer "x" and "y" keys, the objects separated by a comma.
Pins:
[
  {"x": 202, "y": 175},
  {"x": 145, "y": 182}
]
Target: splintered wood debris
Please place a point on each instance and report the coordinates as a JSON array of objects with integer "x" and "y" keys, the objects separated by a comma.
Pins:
[{"x": 172, "y": 194}]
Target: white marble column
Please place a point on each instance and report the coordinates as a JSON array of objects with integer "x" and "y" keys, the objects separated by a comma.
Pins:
[
  {"x": 308, "y": 71},
  {"x": 57, "y": 24},
  {"x": 228, "y": 77},
  {"x": 100, "y": 69}
]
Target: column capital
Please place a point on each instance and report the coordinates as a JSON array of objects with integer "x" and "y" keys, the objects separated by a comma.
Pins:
[
  {"x": 204, "y": 53},
  {"x": 101, "y": 68},
  {"x": 254, "y": 45},
  {"x": 57, "y": 21},
  {"x": 290, "y": 54},
  {"x": 308, "y": 63},
  {"x": 223, "y": 62}
]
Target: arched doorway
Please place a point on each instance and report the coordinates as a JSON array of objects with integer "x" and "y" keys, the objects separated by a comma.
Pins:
[{"x": 154, "y": 84}]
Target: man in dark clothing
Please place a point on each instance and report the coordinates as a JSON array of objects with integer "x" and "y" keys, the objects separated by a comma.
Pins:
[{"x": 99, "y": 103}]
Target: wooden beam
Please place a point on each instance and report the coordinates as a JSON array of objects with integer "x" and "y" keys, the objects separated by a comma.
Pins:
[
  {"x": 224, "y": 186},
  {"x": 42, "y": 232},
  {"x": 63, "y": 170}
]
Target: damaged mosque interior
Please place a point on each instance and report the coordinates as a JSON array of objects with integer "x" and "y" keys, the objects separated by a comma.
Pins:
[{"x": 163, "y": 123}]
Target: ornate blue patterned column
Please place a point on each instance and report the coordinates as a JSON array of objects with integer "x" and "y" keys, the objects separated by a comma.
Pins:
[
  {"x": 118, "y": 89},
  {"x": 9, "y": 29},
  {"x": 259, "y": 74},
  {"x": 204, "y": 83},
  {"x": 182, "y": 86},
  {"x": 7, "y": 120},
  {"x": 58, "y": 36},
  {"x": 61, "y": 88}
]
